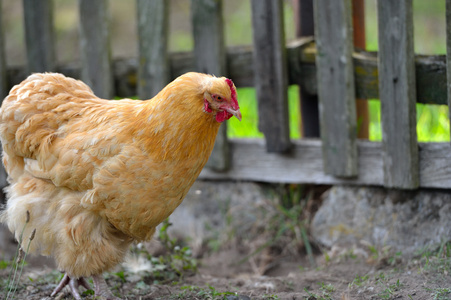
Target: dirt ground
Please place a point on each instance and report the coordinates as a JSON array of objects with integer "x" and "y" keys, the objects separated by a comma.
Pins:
[
  {"x": 339, "y": 274},
  {"x": 270, "y": 263}
]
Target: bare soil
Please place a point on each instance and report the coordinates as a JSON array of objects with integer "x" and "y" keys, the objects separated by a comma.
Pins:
[
  {"x": 260, "y": 267},
  {"x": 223, "y": 275}
]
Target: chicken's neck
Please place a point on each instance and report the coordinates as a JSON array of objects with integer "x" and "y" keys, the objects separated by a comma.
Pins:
[{"x": 176, "y": 130}]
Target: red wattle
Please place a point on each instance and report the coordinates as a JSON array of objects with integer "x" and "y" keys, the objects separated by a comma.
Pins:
[{"x": 222, "y": 116}]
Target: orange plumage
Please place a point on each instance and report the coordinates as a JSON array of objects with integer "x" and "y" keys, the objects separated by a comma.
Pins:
[{"x": 95, "y": 174}]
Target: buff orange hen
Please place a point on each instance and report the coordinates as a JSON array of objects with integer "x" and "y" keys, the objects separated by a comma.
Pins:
[{"x": 96, "y": 175}]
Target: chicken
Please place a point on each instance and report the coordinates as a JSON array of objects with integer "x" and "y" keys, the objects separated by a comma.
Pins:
[{"x": 96, "y": 175}]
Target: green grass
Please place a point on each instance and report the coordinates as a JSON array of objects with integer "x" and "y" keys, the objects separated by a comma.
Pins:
[
  {"x": 248, "y": 127},
  {"x": 432, "y": 122}
]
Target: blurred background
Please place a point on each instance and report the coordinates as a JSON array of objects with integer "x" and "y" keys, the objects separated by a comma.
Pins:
[{"x": 429, "y": 38}]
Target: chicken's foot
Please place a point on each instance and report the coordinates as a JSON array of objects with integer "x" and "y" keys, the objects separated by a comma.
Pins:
[
  {"x": 101, "y": 288},
  {"x": 73, "y": 283}
]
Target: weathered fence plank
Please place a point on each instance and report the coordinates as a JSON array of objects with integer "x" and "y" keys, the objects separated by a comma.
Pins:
[
  {"x": 271, "y": 73},
  {"x": 448, "y": 54},
  {"x": 210, "y": 58},
  {"x": 39, "y": 38},
  {"x": 95, "y": 47},
  {"x": 398, "y": 93},
  {"x": 153, "y": 67},
  {"x": 304, "y": 164},
  {"x": 208, "y": 33},
  {"x": 336, "y": 89}
]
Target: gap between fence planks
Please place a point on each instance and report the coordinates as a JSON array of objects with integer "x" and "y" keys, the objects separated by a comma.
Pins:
[
  {"x": 303, "y": 17},
  {"x": 359, "y": 37},
  {"x": 448, "y": 54}
]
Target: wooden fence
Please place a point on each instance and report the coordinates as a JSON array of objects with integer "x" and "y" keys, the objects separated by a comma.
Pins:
[{"x": 327, "y": 66}]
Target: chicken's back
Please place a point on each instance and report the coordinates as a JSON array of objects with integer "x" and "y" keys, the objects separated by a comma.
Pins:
[
  {"x": 28, "y": 120},
  {"x": 38, "y": 127}
]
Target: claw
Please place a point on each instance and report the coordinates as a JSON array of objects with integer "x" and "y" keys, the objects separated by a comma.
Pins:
[
  {"x": 73, "y": 286},
  {"x": 101, "y": 288},
  {"x": 61, "y": 285},
  {"x": 82, "y": 281}
]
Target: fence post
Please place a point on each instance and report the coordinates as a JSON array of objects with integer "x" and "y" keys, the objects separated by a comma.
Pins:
[
  {"x": 95, "y": 47},
  {"x": 153, "y": 62},
  {"x": 397, "y": 92},
  {"x": 336, "y": 90},
  {"x": 210, "y": 57},
  {"x": 270, "y": 69},
  {"x": 39, "y": 36}
]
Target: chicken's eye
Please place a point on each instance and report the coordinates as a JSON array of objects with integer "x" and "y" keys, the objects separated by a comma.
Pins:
[{"x": 218, "y": 98}]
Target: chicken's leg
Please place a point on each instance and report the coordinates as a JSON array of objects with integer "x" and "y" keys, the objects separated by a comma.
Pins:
[
  {"x": 101, "y": 288},
  {"x": 73, "y": 285}
]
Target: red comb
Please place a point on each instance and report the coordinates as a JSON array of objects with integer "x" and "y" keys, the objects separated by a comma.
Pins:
[{"x": 233, "y": 94}]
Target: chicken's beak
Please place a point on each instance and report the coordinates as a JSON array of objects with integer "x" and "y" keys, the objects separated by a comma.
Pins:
[{"x": 236, "y": 113}]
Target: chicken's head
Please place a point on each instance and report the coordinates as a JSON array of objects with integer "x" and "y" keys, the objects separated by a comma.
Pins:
[{"x": 220, "y": 99}]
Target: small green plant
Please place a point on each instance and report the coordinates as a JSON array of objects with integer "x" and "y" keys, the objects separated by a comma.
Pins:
[
  {"x": 440, "y": 293},
  {"x": 4, "y": 264},
  {"x": 380, "y": 278},
  {"x": 374, "y": 252},
  {"x": 288, "y": 222},
  {"x": 179, "y": 258},
  {"x": 174, "y": 263},
  {"x": 385, "y": 294},
  {"x": 88, "y": 293},
  {"x": 326, "y": 288},
  {"x": 121, "y": 275},
  {"x": 359, "y": 280},
  {"x": 196, "y": 292},
  {"x": 435, "y": 258},
  {"x": 393, "y": 260},
  {"x": 313, "y": 296},
  {"x": 389, "y": 291}
]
